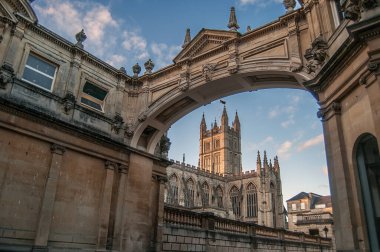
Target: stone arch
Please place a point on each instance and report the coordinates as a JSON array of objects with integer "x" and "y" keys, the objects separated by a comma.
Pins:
[
  {"x": 175, "y": 104},
  {"x": 367, "y": 161},
  {"x": 219, "y": 196}
]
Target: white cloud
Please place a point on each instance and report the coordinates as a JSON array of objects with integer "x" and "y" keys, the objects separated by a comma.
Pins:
[
  {"x": 116, "y": 60},
  {"x": 260, "y": 145},
  {"x": 289, "y": 111},
  {"x": 257, "y": 2},
  {"x": 311, "y": 142},
  {"x": 284, "y": 149}
]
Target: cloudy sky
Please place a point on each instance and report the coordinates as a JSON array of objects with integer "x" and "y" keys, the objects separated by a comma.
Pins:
[{"x": 123, "y": 32}]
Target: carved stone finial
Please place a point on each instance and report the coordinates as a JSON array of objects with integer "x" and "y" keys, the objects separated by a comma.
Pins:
[
  {"x": 232, "y": 23},
  {"x": 316, "y": 55},
  {"x": 249, "y": 28},
  {"x": 149, "y": 65},
  {"x": 187, "y": 38},
  {"x": 80, "y": 37},
  {"x": 136, "y": 70},
  {"x": 289, "y": 5},
  {"x": 354, "y": 8}
]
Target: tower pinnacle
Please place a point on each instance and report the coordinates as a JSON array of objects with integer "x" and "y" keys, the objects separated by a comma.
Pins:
[
  {"x": 224, "y": 119},
  {"x": 258, "y": 164},
  {"x": 236, "y": 123},
  {"x": 232, "y": 23},
  {"x": 187, "y": 38}
]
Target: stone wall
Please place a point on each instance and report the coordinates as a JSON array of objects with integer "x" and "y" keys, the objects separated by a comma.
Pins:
[{"x": 188, "y": 231}]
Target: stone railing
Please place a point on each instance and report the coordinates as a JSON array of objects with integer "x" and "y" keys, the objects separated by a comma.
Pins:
[{"x": 208, "y": 221}]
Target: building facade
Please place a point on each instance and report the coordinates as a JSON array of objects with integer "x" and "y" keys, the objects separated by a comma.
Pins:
[
  {"x": 220, "y": 186},
  {"x": 311, "y": 213}
]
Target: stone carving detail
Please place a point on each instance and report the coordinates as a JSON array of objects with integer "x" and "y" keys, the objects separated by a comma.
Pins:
[
  {"x": 295, "y": 66},
  {"x": 164, "y": 146},
  {"x": 123, "y": 168},
  {"x": 316, "y": 55},
  {"x": 149, "y": 65},
  {"x": 110, "y": 165},
  {"x": 129, "y": 130},
  {"x": 142, "y": 117},
  {"x": 208, "y": 70},
  {"x": 117, "y": 123},
  {"x": 136, "y": 70},
  {"x": 233, "y": 62},
  {"x": 57, "y": 149},
  {"x": 354, "y": 8},
  {"x": 336, "y": 107},
  {"x": 68, "y": 102},
  {"x": 122, "y": 69},
  {"x": 289, "y": 5},
  {"x": 6, "y": 75},
  {"x": 184, "y": 81},
  {"x": 80, "y": 37},
  {"x": 372, "y": 66}
]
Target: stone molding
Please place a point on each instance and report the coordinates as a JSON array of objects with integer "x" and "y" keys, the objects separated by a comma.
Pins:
[{"x": 110, "y": 165}]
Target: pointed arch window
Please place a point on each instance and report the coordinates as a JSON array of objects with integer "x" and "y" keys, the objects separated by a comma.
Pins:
[
  {"x": 235, "y": 200},
  {"x": 206, "y": 194},
  {"x": 173, "y": 190},
  {"x": 219, "y": 197},
  {"x": 273, "y": 202},
  {"x": 252, "y": 206}
]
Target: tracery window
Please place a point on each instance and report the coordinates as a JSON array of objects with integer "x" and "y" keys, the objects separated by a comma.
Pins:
[
  {"x": 205, "y": 199},
  {"x": 234, "y": 195},
  {"x": 252, "y": 207}
]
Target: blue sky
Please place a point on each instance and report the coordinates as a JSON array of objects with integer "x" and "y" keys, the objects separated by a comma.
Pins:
[{"x": 281, "y": 121}]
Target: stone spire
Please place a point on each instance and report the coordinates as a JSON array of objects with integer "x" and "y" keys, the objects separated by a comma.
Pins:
[
  {"x": 187, "y": 38},
  {"x": 232, "y": 23},
  {"x": 203, "y": 126},
  {"x": 258, "y": 164},
  {"x": 236, "y": 123},
  {"x": 265, "y": 163},
  {"x": 215, "y": 124},
  {"x": 224, "y": 119},
  {"x": 276, "y": 165}
]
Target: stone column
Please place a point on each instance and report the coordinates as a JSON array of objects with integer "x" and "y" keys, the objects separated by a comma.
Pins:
[
  {"x": 13, "y": 51},
  {"x": 105, "y": 206},
  {"x": 338, "y": 177},
  {"x": 47, "y": 206},
  {"x": 160, "y": 210},
  {"x": 120, "y": 208}
]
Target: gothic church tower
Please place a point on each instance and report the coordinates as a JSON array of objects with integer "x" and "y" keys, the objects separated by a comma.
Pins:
[{"x": 220, "y": 147}]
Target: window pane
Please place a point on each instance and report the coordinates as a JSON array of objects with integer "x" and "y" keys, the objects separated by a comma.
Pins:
[
  {"x": 91, "y": 103},
  {"x": 41, "y": 65},
  {"x": 94, "y": 91},
  {"x": 37, "y": 78}
]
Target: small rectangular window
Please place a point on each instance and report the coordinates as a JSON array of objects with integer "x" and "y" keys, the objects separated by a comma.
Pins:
[
  {"x": 294, "y": 219},
  {"x": 40, "y": 73},
  {"x": 93, "y": 96},
  {"x": 294, "y": 207},
  {"x": 302, "y": 205}
]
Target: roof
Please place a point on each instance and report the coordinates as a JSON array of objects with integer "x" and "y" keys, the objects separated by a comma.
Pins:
[
  {"x": 322, "y": 200},
  {"x": 299, "y": 196}
]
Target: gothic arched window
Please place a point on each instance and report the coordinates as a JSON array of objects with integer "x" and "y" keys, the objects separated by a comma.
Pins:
[
  {"x": 219, "y": 197},
  {"x": 235, "y": 200},
  {"x": 252, "y": 206},
  {"x": 205, "y": 189},
  {"x": 173, "y": 190},
  {"x": 273, "y": 202}
]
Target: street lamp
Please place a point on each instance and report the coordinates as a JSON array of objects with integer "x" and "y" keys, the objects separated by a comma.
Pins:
[{"x": 325, "y": 230}]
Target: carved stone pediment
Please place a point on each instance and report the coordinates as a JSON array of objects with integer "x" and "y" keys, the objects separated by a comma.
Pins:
[
  {"x": 205, "y": 41},
  {"x": 14, "y": 8}
]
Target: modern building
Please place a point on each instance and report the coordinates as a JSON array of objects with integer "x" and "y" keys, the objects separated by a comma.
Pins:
[
  {"x": 311, "y": 213},
  {"x": 219, "y": 185}
]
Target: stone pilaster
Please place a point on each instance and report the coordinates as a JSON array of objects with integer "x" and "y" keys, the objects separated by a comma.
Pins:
[
  {"x": 105, "y": 205},
  {"x": 338, "y": 175},
  {"x": 13, "y": 50},
  {"x": 120, "y": 208},
  {"x": 161, "y": 180},
  {"x": 47, "y": 206}
]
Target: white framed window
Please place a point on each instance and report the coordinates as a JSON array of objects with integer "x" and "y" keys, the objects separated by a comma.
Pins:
[
  {"x": 303, "y": 206},
  {"x": 294, "y": 207},
  {"x": 39, "y": 72},
  {"x": 93, "y": 96},
  {"x": 294, "y": 218}
]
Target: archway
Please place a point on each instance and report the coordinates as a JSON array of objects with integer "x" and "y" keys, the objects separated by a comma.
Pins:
[{"x": 368, "y": 165}]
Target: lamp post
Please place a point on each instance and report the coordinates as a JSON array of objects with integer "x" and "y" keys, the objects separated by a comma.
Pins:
[{"x": 325, "y": 229}]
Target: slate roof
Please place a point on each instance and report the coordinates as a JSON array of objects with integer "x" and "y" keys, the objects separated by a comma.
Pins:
[{"x": 299, "y": 196}]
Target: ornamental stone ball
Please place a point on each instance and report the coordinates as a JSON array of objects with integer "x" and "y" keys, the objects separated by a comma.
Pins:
[
  {"x": 149, "y": 65},
  {"x": 80, "y": 37}
]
